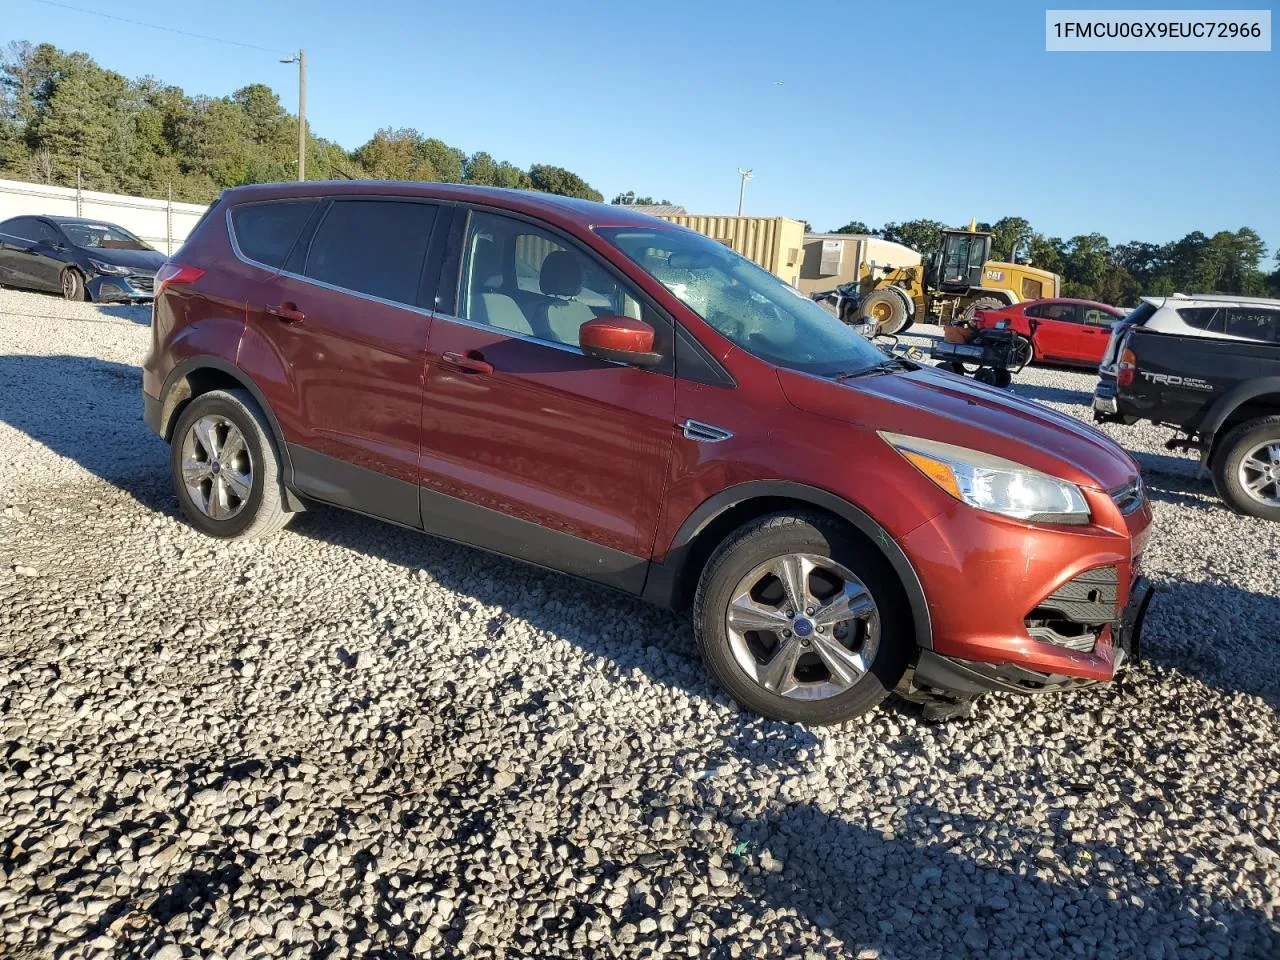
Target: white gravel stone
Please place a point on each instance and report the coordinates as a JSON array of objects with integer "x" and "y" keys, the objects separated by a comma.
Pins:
[{"x": 351, "y": 739}]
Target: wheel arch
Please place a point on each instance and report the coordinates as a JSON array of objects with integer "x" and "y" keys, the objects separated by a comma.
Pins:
[
  {"x": 198, "y": 375},
  {"x": 673, "y": 582},
  {"x": 1246, "y": 401},
  {"x": 1003, "y": 294}
]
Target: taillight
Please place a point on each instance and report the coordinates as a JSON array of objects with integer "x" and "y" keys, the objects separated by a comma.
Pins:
[
  {"x": 1127, "y": 368},
  {"x": 175, "y": 273}
]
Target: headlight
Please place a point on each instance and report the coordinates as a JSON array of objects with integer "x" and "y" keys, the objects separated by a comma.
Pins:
[
  {"x": 993, "y": 483},
  {"x": 108, "y": 268}
]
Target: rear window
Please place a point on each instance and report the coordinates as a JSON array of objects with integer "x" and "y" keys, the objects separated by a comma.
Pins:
[
  {"x": 265, "y": 232},
  {"x": 1140, "y": 314},
  {"x": 375, "y": 247}
]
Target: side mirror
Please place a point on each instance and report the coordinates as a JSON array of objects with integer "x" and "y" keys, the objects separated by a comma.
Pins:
[{"x": 620, "y": 339}]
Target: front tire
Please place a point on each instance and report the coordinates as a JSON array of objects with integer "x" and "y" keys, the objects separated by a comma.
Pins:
[
  {"x": 72, "y": 284},
  {"x": 1246, "y": 468},
  {"x": 225, "y": 467},
  {"x": 886, "y": 308},
  {"x": 1024, "y": 353},
  {"x": 801, "y": 621}
]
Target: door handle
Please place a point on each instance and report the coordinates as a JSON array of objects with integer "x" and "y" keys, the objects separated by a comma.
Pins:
[
  {"x": 471, "y": 363},
  {"x": 288, "y": 312}
]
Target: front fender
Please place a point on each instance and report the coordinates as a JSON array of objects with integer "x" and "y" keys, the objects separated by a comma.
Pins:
[{"x": 663, "y": 580}]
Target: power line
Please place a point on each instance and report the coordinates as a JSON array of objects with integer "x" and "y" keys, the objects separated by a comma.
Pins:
[{"x": 156, "y": 26}]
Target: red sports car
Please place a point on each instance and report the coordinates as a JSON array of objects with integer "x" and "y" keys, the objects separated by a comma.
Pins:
[{"x": 1058, "y": 330}]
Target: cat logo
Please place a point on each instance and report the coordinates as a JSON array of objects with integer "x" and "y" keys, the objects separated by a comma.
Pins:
[{"x": 995, "y": 274}]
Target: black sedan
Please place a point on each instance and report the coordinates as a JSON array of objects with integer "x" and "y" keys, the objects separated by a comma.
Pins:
[{"x": 81, "y": 259}]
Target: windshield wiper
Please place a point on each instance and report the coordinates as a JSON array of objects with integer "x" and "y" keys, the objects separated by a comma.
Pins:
[{"x": 884, "y": 366}]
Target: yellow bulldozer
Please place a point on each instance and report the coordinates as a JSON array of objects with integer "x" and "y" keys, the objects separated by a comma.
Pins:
[{"x": 958, "y": 281}]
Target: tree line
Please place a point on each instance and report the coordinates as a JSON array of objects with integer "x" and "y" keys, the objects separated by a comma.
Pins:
[
  {"x": 1093, "y": 268},
  {"x": 62, "y": 115}
]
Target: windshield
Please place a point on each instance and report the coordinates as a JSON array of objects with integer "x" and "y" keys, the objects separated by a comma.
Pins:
[
  {"x": 101, "y": 236},
  {"x": 745, "y": 303}
]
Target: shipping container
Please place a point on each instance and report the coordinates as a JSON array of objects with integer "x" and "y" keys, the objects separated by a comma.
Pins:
[{"x": 775, "y": 243}]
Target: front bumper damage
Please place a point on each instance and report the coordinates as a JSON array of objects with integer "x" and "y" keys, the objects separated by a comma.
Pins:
[{"x": 958, "y": 678}]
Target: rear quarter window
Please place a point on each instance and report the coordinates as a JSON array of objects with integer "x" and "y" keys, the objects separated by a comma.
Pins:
[
  {"x": 266, "y": 232},
  {"x": 1203, "y": 318}
]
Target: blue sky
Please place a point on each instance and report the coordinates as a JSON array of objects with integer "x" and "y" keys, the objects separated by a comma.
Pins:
[{"x": 886, "y": 111}]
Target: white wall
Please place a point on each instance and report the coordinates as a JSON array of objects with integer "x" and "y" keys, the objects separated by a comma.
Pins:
[{"x": 150, "y": 219}]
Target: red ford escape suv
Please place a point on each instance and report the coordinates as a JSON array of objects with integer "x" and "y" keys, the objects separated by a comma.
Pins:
[{"x": 618, "y": 398}]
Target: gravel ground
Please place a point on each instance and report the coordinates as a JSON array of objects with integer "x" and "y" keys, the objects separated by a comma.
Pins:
[{"x": 351, "y": 739}]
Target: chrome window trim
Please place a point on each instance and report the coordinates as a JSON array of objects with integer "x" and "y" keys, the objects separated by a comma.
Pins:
[
  {"x": 473, "y": 324},
  {"x": 231, "y": 230},
  {"x": 526, "y": 338},
  {"x": 358, "y": 293},
  {"x": 281, "y": 272}
]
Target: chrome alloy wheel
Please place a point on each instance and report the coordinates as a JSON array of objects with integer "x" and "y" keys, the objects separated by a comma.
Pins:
[
  {"x": 803, "y": 626},
  {"x": 1259, "y": 473},
  {"x": 217, "y": 469}
]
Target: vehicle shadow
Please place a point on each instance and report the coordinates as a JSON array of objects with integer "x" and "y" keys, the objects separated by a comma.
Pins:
[
  {"x": 1034, "y": 391},
  {"x": 982, "y": 887},
  {"x": 1177, "y": 480},
  {"x": 89, "y": 411},
  {"x": 1224, "y": 636},
  {"x": 139, "y": 313}
]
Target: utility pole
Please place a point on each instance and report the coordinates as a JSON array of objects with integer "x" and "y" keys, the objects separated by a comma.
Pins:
[
  {"x": 745, "y": 175},
  {"x": 300, "y": 58}
]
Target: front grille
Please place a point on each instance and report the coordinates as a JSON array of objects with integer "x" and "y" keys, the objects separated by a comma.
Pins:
[
  {"x": 1129, "y": 496},
  {"x": 1073, "y": 615},
  {"x": 143, "y": 284}
]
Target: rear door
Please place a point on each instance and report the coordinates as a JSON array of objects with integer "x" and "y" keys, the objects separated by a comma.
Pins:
[
  {"x": 28, "y": 256},
  {"x": 347, "y": 320},
  {"x": 531, "y": 448}
]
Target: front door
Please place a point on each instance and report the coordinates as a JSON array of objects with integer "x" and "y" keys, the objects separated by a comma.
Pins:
[
  {"x": 1094, "y": 334},
  {"x": 1057, "y": 328},
  {"x": 347, "y": 319},
  {"x": 530, "y": 447}
]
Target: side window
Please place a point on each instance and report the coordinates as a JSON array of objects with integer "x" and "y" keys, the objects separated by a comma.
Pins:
[
  {"x": 23, "y": 228},
  {"x": 1062, "y": 312},
  {"x": 1254, "y": 323},
  {"x": 520, "y": 278},
  {"x": 265, "y": 232},
  {"x": 375, "y": 247},
  {"x": 1203, "y": 318},
  {"x": 1036, "y": 311},
  {"x": 1096, "y": 317}
]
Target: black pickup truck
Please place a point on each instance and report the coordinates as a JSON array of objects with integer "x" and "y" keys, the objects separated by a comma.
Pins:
[{"x": 1208, "y": 366}]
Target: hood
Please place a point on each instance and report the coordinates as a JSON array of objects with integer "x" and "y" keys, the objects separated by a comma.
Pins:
[
  {"x": 144, "y": 261},
  {"x": 941, "y": 406}
]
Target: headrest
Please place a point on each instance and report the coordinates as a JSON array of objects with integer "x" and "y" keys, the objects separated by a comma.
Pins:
[
  {"x": 561, "y": 274},
  {"x": 486, "y": 270}
]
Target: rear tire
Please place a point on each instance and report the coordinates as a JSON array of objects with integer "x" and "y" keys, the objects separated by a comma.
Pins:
[
  {"x": 1247, "y": 456},
  {"x": 821, "y": 681},
  {"x": 886, "y": 308},
  {"x": 225, "y": 467}
]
